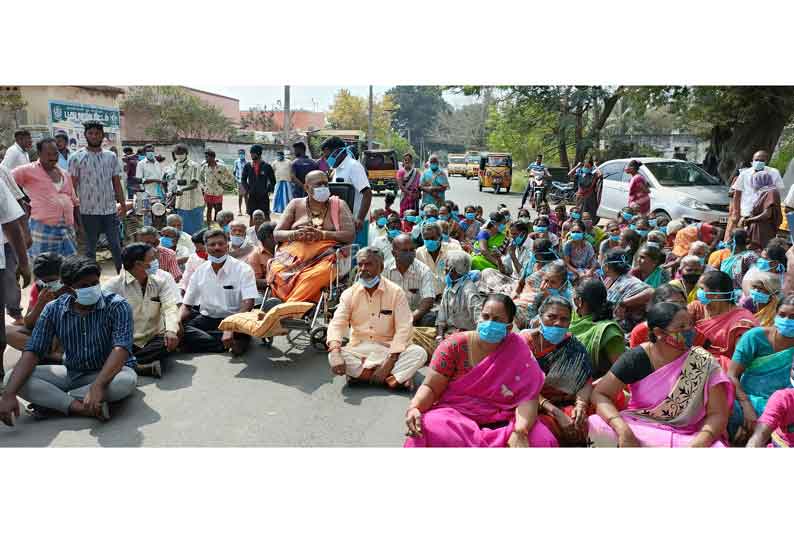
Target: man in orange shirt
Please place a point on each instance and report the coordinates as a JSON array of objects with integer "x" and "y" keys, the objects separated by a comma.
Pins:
[{"x": 378, "y": 314}]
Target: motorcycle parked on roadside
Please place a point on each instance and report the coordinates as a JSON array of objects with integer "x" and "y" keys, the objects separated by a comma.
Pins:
[{"x": 562, "y": 193}]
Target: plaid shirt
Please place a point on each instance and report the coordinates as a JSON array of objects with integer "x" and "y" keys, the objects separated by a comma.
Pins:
[{"x": 87, "y": 339}]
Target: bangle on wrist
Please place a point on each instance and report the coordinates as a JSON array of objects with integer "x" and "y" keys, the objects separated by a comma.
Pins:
[{"x": 609, "y": 420}]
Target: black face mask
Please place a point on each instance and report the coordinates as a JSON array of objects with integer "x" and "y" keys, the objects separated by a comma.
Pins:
[
  {"x": 691, "y": 278},
  {"x": 405, "y": 258}
]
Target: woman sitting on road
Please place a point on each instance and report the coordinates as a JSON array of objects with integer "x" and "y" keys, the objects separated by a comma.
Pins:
[
  {"x": 648, "y": 268},
  {"x": 666, "y": 293},
  {"x": 578, "y": 254},
  {"x": 555, "y": 283},
  {"x": 565, "y": 362},
  {"x": 629, "y": 295},
  {"x": 764, "y": 298},
  {"x": 593, "y": 326},
  {"x": 680, "y": 396},
  {"x": 308, "y": 233},
  {"x": 776, "y": 423},
  {"x": 612, "y": 240},
  {"x": 481, "y": 389},
  {"x": 486, "y": 253},
  {"x": 542, "y": 230},
  {"x": 760, "y": 366},
  {"x": 470, "y": 226}
]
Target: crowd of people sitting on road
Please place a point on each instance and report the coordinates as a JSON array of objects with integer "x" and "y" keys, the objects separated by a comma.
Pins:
[{"x": 546, "y": 331}]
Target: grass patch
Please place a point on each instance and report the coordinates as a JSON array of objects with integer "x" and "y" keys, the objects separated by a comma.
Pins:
[{"x": 519, "y": 183}]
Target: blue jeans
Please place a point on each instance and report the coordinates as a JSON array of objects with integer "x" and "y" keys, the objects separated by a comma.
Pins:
[{"x": 93, "y": 225}]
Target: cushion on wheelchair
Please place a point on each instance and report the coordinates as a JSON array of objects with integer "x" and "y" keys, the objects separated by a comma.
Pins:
[{"x": 260, "y": 324}]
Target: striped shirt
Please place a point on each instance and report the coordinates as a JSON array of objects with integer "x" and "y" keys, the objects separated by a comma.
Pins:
[
  {"x": 92, "y": 173},
  {"x": 87, "y": 339},
  {"x": 417, "y": 282}
]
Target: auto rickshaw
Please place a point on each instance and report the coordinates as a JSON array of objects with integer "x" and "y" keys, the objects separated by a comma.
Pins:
[
  {"x": 472, "y": 164},
  {"x": 496, "y": 171},
  {"x": 456, "y": 165},
  {"x": 381, "y": 166}
]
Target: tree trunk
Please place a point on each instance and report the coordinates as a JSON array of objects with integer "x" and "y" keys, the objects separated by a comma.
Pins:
[
  {"x": 734, "y": 147},
  {"x": 600, "y": 118},
  {"x": 581, "y": 146}
]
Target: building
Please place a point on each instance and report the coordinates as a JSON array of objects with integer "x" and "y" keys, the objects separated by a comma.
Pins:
[
  {"x": 133, "y": 124},
  {"x": 48, "y": 109}
]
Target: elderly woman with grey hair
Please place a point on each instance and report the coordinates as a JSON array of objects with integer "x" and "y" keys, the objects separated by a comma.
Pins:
[
  {"x": 224, "y": 218},
  {"x": 462, "y": 301},
  {"x": 434, "y": 254}
]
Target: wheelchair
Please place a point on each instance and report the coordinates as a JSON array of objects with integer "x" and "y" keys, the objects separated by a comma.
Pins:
[{"x": 314, "y": 323}]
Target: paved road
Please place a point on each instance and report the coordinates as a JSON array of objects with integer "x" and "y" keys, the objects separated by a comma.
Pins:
[{"x": 267, "y": 397}]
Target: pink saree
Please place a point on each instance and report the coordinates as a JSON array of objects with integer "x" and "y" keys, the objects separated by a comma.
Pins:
[
  {"x": 487, "y": 395},
  {"x": 667, "y": 407}
]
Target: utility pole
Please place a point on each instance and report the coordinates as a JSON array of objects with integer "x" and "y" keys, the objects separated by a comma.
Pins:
[
  {"x": 369, "y": 121},
  {"x": 286, "y": 115}
]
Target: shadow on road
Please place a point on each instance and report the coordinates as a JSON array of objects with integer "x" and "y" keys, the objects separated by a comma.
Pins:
[{"x": 123, "y": 430}]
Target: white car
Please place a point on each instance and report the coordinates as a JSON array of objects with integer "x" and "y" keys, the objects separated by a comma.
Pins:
[{"x": 679, "y": 189}]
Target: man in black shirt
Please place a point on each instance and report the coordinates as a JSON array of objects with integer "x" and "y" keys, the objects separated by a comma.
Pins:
[
  {"x": 258, "y": 180},
  {"x": 301, "y": 165}
]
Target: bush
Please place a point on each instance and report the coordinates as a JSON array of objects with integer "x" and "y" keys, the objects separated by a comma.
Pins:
[{"x": 519, "y": 183}]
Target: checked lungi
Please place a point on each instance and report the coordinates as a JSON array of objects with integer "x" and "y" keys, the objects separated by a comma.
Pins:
[{"x": 59, "y": 239}]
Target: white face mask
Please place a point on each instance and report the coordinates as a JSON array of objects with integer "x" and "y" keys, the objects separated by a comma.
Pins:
[{"x": 321, "y": 194}]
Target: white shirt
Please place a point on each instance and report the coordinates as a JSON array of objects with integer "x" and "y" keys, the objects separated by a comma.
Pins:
[
  {"x": 8, "y": 178},
  {"x": 250, "y": 236},
  {"x": 789, "y": 201},
  {"x": 9, "y": 211},
  {"x": 150, "y": 170},
  {"x": 749, "y": 194},
  {"x": 221, "y": 294},
  {"x": 282, "y": 169},
  {"x": 185, "y": 246},
  {"x": 384, "y": 245},
  {"x": 354, "y": 173},
  {"x": 15, "y": 157}
]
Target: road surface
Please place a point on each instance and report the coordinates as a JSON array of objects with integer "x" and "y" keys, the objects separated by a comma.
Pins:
[{"x": 268, "y": 397}]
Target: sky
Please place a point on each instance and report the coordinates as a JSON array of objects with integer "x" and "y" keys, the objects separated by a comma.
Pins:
[{"x": 311, "y": 98}]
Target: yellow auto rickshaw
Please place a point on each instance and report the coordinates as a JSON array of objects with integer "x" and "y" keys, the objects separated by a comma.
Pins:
[
  {"x": 496, "y": 171},
  {"x": 381, "y": 166},
  {"x": 472, "y": 164},
  {"x": 456, "y": 165}
]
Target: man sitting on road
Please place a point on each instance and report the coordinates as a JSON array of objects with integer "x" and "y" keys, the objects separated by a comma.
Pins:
[
  {"x": 239, "y": 247},
  {"x": 224, "y": 219},
  {"x": 46, "y": 288},
  {"x": 377, "y": 312},
  {"x": 414, "y": 278},
  {"x": 154, "y": 301},
  {"x": 222, "y": 286},
  {"x": 184, "y": 246},
  {"x": 195, "y": 260},
  {"x": 258, "y": 218},
  {"x": 165, "y": 256},
  {"x": 95, "y": 329},
  {"x": 169, "y": 238},
  {"x": 434, "y": 254}
]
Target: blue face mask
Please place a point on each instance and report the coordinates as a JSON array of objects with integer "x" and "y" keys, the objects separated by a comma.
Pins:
[
  {"x": 371, "y": 283},
  {"x": 413, "y": 219},
  {"x": 785, "y": 326},
  {"x": 759, "y": 165},
  {"x": 642, "y": 233},
  {"x": 455, "y": 215},
  {"x": 166, "y": 242},
  {"x": 759, "y": 297},
  {"x": 614, "y": 238},
  {"x": 652, "y": 222},
  {"x": 470, "y": 216},
  {"x": 433, "y": 167},
  {"x": 723, "y": 296},
  {"x": 663, "y": 229},
  {"x": 492, "y": 331},
  {"x": 721, "y": 245},
  {"x": 154, "y": 266},
  {"x": 150, "y": 156},
  {"x": 541, "y": 229},
  {"x": 89, "y": 295},
  {"x": 518, "y": 241},
  {"x": 763, "y": 264},
  {"x": 226, "y": 228},
  {"x": 553, "y": 334},
  {"x": 449, "y": 281},
  {"x": 236, "y": 240},
  {"x": 502, "y": 227},
  {"x": 431, "y": 220},
  {"x": 585, "y": 171},
  {"x": 627, "y": 216},
  {"x": 432, "y": 245},
  {"x": 577, "y": 236},
  {"x": 443, "y": 218},
  {"x": 394, "y": 233},
  {"x": 381, "y": 222},
  {"x": 332, "y": 158},
  {"x": 576, "y": 216}
]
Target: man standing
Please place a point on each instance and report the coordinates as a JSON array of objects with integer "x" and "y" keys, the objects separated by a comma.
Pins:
[
  {"x": 149, "y": 172},
  {"x": 348, "y": 169},
  {"x": 220, "y": 287},
  {"x": 10, "y": 215},
  {"x": 189, "y": 201},
  {"x": 377, "y": 312},
  {"x": 17, "y": 154},
  {"x": 239, "y": 165},
  {"x": 282, "y": 169},
  {"x": 301, "y": 165},
  {"x": 214, "y": 179},
  {"x": 62, "y": 142},
  {"x": 154, "y": 300},
  {"x": 745, "y": 195},
  {"x": 55, "y": 210},
  {"x": 257, "y": 181},
  {"x": 95, "y": 329},
  {"x": 130, "y": 168},
  {"x": 96, "y": 176}
]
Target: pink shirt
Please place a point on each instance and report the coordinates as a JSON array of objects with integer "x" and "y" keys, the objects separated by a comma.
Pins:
[
  {"x": 49, "y": 205},
  {"x": 779, "y": 415},
  {"x": 637, "y": 195}
]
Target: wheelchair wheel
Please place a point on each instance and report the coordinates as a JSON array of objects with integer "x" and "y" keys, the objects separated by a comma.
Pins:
[{"x": 318, "y": 338}]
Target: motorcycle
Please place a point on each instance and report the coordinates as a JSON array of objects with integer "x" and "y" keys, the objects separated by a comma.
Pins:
[
  {"x": 538, "y": 189},
  {"x": 562, "y": 193}
]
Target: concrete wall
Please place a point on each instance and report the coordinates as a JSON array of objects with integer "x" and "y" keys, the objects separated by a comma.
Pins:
[{"x": 224, "y": 151}]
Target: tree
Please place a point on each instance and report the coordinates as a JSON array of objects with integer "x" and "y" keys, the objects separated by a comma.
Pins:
[
  {"x": 462, "y": 126},
  {"x": 258, "y": 118},
  {"x": 11, "y": 103},
  {"x": 740, "y": 120},
  {"x": 417, "y": 109},
  {"x": 174, "y": 114}
]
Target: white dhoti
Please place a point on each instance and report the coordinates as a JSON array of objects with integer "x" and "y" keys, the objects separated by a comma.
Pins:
[{"x": 371, "y": 355}]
